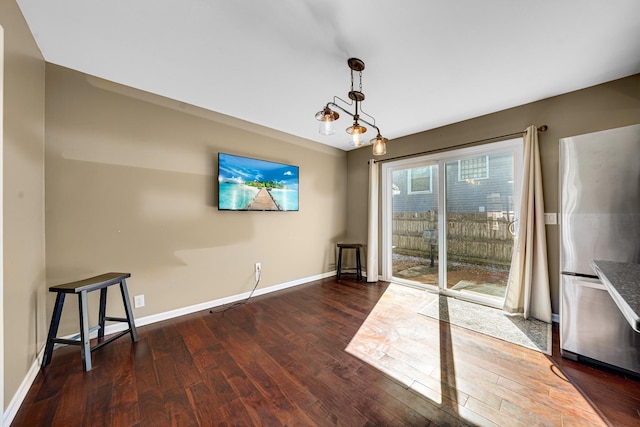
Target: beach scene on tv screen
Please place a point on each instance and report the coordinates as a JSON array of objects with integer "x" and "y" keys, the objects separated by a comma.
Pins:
[{"x": 256, "y": 185}]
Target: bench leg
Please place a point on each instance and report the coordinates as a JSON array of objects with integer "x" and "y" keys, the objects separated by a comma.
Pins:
[
  {"x": 358, "y": 265},
  {"x": 128, "y": 312},
  {"x": 339, "y": 263},
  {"x": 53, "y": 329},
  {"x": 85, "y": 348},
  {"x": 102, "y": 313}
]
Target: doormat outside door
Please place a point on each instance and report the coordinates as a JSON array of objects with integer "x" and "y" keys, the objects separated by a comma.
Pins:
[{"x": 531, "y": 333}]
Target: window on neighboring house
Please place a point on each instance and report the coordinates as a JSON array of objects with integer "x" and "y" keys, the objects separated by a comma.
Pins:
[
  {"x": 472, "y": 169},
  {"x": 420, "y": 180}
]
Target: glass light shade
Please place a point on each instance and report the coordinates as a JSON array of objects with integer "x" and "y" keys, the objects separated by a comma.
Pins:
[
  {"x": 356, "y": 140},
  {"x": 356, "y": 129},
  {"x": 326, "y": 127},
  {"x": 356, "y": 132},
  {"x": 326, "y": 116},
  {"x": 379, "y": 145}
]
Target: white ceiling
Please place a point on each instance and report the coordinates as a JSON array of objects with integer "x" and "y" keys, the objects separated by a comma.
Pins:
[{"x": 429, "y": 63}]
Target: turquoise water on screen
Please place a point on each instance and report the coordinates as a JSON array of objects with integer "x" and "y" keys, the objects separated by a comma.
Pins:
[
  {"x": 238, "y": 196},
  {"x": 286, "y": 199},
  {"x": 235, "y": 196}
]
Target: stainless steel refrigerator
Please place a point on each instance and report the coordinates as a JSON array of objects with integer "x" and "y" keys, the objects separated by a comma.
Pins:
[{"x": 599, "y": 220}]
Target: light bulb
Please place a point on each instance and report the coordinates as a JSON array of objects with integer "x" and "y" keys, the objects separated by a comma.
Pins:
[
  {"x": 379, "y": 145},
  {"x": 356, "y": 132},
  {"x": 356, "y": 139}
]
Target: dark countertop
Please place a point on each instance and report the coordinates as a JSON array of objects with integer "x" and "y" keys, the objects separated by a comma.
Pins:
[{"x": 622, "y": 280}]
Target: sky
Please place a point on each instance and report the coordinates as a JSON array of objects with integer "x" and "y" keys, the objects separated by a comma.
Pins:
[{"x": 245, "y": 169}]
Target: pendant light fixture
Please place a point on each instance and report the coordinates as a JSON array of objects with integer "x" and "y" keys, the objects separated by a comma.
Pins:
[{"x": 328, "y": 115}]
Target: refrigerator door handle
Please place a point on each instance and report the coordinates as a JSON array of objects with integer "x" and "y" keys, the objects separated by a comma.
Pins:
[
  {"x": 589, "y": 276},
  {"x": 589, "y": 283}
]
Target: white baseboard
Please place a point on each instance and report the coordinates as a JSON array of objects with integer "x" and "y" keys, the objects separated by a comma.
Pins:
[
  {"x": 154, "y": 318},
  {"x": 12, "y": 409}
]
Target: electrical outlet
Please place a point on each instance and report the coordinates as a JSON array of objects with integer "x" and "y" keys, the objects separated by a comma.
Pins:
[
  {"x": 138, "y": 301},
  {"x": 550, "y": 218},
  {"x": 258, "y": 270}
]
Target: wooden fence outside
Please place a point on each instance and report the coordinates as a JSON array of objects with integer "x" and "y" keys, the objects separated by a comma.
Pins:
[{"x": 480, "y": 238}]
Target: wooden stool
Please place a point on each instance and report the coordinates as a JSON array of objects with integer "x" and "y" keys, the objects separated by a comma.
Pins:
[
  {"x": 355, "y": 246},
  {"x": 81, "y": 288}
]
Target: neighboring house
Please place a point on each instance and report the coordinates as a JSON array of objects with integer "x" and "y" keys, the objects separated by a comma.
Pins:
[{"x": 479, "y": 184}]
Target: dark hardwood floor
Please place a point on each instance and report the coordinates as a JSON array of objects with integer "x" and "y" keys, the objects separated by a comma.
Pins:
[{"x": 297, "y": 357}]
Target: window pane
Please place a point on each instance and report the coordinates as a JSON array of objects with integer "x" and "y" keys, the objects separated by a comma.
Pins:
[
  {"x": 415, "y": 225},
  {"x": 479, "y": 210}
]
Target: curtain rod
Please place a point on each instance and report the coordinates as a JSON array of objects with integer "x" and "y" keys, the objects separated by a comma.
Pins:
[{"x": 542, "y": 128}]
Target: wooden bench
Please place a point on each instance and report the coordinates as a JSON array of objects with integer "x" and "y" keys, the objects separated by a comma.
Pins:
[{"x": 81, "y": 288}]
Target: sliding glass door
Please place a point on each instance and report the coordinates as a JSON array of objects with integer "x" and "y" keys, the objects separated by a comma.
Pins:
[
  {"x": 449, "y": 220},
  {"x": 414, "y": 238}
]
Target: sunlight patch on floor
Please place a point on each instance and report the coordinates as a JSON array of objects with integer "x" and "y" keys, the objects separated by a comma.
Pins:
[{"x": 462, "y": 374}]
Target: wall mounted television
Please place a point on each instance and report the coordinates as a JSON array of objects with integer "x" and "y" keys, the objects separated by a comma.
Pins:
[{"x": 246, "y": 184}]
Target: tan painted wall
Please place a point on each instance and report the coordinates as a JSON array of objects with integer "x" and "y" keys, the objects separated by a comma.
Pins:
[
  {"x": 131, "y": 185},
  {"x": 23, "y": 199},
  {"x": 605, "y": 106}
]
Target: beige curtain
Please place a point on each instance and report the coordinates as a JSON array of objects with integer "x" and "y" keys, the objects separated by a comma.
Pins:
[
  {"x": 372, "y": 232},
  {"x": 528, "y": 286}
]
